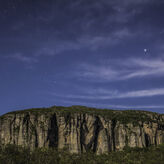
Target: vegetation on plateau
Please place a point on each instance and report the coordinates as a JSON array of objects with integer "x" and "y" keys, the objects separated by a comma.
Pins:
[{"x": 124, "y": 116}]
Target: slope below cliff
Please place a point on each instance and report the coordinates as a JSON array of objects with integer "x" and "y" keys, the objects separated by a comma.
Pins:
[{"x": 82, "y": 129}]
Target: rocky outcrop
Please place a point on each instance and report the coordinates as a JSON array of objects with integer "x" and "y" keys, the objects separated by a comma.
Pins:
[{"x": 81, "y": 131}]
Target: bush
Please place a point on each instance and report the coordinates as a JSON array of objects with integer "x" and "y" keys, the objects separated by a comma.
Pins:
[{"x": 12, "y": 154}]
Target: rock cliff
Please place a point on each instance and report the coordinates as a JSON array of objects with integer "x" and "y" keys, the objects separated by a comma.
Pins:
[{"x": 81, "y": 129}]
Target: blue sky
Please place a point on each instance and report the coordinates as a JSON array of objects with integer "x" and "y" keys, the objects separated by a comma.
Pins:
[{"x": 98, "y": 53}]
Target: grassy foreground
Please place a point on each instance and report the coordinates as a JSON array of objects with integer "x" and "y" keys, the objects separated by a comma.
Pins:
[{"x": 12, "y": 154}]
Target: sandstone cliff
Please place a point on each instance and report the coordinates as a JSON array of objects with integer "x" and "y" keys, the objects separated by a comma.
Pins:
[{"x": 82, "y": 129}]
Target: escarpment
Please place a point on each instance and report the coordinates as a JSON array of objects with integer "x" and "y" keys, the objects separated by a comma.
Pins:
[{"x": 82, "y": 129}]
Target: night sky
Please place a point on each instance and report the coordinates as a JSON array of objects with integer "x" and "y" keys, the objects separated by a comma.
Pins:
[{"x": 97, "y": 53}]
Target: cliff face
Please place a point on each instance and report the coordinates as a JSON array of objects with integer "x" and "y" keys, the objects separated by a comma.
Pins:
[{"x": 80, "y": 131}]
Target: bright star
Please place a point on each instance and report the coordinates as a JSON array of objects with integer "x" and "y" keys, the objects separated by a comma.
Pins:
[{"x": 145, "y": 50}]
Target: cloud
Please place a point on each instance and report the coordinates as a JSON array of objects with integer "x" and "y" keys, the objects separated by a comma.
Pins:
[
  {"x": 45, "y": 51},
  {"x": 142, "y": 93},
  {"x": 115, "y": 70},
  {"x": 131, "y": 2},
  {"x": 94, "y": 42},
  {"x": 102, "y": 94},
  {"x": 23, "y": 58}
]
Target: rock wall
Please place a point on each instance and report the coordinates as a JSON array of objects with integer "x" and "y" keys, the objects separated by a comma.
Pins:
[{"x": 79, "y": 132}]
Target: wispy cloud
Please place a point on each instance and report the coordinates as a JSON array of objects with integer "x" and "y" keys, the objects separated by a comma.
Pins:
[
  {"x": 94, "y": 41},
  {"x": 102, "y": 94},
  {"x": 122, "y": 70},
  {"x": 45, "y": 51},
  {"x": 23, "y": 58},
  {"x": 141, "y": 93}
]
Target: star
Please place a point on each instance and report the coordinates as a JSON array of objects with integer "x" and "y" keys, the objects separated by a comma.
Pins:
[{"x": 145, "y": 50}]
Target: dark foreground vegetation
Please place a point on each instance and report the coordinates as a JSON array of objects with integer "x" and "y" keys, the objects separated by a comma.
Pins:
[{"x": 12, "y": 154}]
